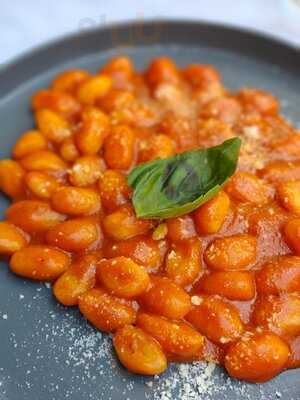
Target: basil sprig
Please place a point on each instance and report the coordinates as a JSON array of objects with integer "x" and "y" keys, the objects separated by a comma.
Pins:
[{"x": 174, "y": 186}]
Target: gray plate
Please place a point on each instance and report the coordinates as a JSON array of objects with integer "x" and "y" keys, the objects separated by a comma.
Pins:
[{"x": 48, "y": 352}]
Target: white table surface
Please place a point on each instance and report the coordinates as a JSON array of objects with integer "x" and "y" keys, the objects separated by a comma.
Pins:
[{"x": 27, "y": 23}]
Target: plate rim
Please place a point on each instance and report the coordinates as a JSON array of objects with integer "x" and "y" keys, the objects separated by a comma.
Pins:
[{"x": 264, "y": 39}]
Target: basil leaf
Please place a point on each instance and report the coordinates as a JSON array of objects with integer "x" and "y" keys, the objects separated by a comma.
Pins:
[{"x": 174, "y": 186}]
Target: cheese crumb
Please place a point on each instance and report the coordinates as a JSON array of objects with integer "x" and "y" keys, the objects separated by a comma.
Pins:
[{"x": 196, "y": 300}]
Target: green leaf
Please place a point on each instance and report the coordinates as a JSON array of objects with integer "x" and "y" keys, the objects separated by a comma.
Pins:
[{"x": 177, "y": 185}]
